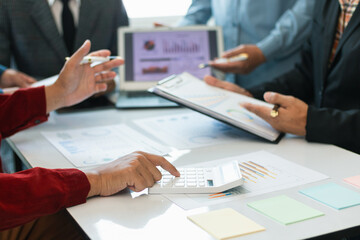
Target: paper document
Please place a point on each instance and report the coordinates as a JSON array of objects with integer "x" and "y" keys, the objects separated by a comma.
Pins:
[
  {"x": 46, "y": 81},
  {"x": 223, "y": 105},
  {"x": 98, "y": 145},
  {"x": 285, "y": 210},
  {"x": 333, "y": 195},
  {"x": 263, "y": 172},
  {"x": 192, "y": 130},
  {"x": 226, "y": 223}
]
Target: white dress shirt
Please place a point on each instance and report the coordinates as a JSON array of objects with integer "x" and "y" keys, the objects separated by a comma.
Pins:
[{"x": 56, "y": 7}]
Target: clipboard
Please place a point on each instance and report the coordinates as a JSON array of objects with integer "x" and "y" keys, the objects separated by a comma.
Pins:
[{"x": 191, "y": 92}]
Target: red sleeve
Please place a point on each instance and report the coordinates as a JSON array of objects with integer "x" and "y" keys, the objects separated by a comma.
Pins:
[
  {"x": 27, "y": 195},
  {"x": 21, "y": 110}
]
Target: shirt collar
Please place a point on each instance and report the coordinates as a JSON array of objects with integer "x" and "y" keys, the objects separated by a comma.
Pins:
[{"x": 51, "y": 2}]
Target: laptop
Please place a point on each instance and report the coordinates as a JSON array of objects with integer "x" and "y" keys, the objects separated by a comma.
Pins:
[{"x": 154, "y": 54}]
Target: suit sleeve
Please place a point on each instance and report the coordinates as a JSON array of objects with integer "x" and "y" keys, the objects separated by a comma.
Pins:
[
  {"x": 341, "y": 128},
  {"x": 297, "y": 82},
  {"x": 36, "y": 192},
  {"x": 5, "y": 42},
  {"x": 290, "y": 32},
  {"x": 21, "y": 110},
  {"x": 199, "y": 12},
  {"x": 121, "y": 19}
]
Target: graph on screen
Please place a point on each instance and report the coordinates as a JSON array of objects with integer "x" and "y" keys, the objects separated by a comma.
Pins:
[{"x": 181, "y": 46}]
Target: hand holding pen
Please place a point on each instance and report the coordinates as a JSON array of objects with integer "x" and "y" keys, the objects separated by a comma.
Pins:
[
  {"x": 96, "y": 59},
  {"x": 240, "y": 57},
  {"x": 255, "y": 58}
]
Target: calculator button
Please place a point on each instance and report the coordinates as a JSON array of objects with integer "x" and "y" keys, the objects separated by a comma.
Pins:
[
  {"x": 191, "y": 176},
  {"x": 179, "y": 184},
  {"x": 191, "y": 184},
  {"x": 191, "y": 180}
]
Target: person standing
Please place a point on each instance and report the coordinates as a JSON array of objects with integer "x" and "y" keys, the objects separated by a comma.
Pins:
[{"x": 271, "y": 32}]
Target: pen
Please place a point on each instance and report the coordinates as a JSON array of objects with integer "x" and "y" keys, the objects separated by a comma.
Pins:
[
  {"x": 240, "y": 57},
  {"x": 92, "y": 59}
]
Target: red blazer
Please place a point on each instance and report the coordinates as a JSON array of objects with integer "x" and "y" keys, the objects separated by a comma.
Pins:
[{"x": 27, "y": 195}]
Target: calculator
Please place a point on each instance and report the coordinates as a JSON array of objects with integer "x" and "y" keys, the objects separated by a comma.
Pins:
[{"x": 200, "y": 180}]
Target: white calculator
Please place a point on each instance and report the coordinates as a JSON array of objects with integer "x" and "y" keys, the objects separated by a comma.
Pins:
[{"x": 200, "y": 180}]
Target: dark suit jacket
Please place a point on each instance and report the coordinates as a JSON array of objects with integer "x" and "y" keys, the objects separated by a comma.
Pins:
[
  {"x": 29, "y": 34},
  {"x": 333, "y": 92}
]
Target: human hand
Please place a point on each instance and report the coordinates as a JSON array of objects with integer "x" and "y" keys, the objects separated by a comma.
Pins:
[
  {"x": 226, "y": 85},
  {"x": 292, "y": 116},
  {"x": 157, "y": 24},
  {"x": 77, "y": 81},
  {"x": 13, "y": 78},
  {"x": 255, "y": 58},
  {"x": 136, "y": 171}
]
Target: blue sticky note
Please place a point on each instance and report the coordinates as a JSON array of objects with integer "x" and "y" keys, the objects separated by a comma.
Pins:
[{"x": 333, "y": 195}]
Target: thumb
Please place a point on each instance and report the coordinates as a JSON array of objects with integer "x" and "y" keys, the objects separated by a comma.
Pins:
[
  {"x": 277, "y": 98},
  {"x": 81, "y": 52},
  {"x": 234, "y": 52}
]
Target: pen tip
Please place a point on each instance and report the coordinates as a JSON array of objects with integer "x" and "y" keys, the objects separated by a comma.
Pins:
[{"x": 203, "y": 65}]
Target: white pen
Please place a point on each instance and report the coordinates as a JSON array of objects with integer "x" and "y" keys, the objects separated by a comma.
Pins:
[
  {"x": 93, "y": 59},
  {"x": 240, "y": 57}
]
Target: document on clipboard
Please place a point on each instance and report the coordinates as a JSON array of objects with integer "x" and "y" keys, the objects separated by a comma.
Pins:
[{"x": 189, "y": 91}]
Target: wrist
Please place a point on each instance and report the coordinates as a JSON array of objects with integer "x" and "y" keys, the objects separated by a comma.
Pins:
[
  {"x": 95, "y": 182},
  {"x": 55, "y": 98}
]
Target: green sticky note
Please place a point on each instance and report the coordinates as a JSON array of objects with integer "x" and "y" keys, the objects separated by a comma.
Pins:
[
  {"x": 285, "y": 210},
  {"x": 333, "y": 195}
]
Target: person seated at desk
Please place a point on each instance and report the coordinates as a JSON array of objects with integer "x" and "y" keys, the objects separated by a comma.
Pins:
[
  {"x": 11, "y": 79},
  {"x": 271, "y": 32},
  {"x": 33, "y": 193},
  {"x": 319, "y": 98},
  {"x": 39, "y": 35}
]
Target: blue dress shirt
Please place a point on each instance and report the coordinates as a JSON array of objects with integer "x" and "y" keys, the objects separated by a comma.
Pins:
[
  {"x": 277, "y": 27},
  {"x": 2, "y": 70}
]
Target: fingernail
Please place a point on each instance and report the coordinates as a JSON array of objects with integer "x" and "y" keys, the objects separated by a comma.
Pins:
[
  {"x": 268, "y": 95},
  {"x": 86, "y": 41}
]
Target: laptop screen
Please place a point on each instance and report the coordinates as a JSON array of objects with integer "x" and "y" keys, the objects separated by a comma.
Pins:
[{"x": 154, "y": 55}]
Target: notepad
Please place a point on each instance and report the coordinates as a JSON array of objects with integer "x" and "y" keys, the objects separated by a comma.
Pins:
[
  {"x": 355, "y": 181},
  {"x": 226, "y": 223},
  {"x": 285, "y": 210},
  {"x": 333, "y": 195}
]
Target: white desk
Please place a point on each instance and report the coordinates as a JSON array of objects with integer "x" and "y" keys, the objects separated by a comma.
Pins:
[{"x": 155, "y": 217}]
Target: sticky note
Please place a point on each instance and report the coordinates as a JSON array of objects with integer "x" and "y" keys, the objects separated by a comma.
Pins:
[
  {"x": 333, "y": 195},
  {"x": 225, "y": 223},
  {"x": 355, "y": 181},
  {"x": 285, "y": 210}
]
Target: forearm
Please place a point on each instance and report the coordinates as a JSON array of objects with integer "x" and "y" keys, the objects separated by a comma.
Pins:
[
  {"x": 29, "y": 194},
  {"x": 290, "y": 32},
  {"x": 21, "y": 110},
  {"x": 341, "y": 128},
  {"x": 199, "y": 12}
]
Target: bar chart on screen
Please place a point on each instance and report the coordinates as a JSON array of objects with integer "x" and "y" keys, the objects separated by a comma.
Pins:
[{"x": 262, "y": 171}]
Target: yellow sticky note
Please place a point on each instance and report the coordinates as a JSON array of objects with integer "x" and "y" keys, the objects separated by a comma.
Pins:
[{"x": 226, "y": 223}]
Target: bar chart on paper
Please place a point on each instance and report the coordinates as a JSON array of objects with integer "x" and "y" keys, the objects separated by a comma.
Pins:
[{"x": 262, "y": 171}]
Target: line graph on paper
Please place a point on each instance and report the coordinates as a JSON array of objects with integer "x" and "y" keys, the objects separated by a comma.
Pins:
[{"x": 207, "y": 100}]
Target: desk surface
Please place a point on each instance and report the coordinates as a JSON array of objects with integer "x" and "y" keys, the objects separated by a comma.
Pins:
[{"x": 155, "y": 217}]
